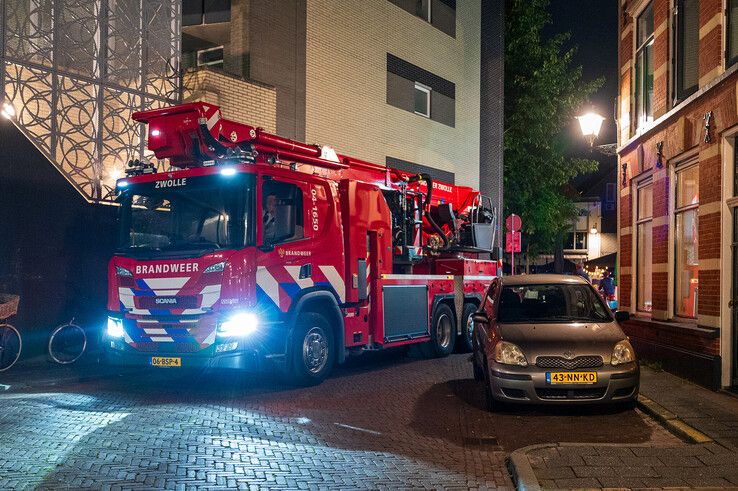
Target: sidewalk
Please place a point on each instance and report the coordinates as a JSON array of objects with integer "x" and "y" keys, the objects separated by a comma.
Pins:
[{"x": 664, "y": 464}]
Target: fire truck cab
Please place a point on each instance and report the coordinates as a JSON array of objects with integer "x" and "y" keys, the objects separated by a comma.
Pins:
[{"x": 254, "y": 252}]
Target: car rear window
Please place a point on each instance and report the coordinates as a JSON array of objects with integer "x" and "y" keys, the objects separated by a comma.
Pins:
[{"x": 551, "y": 303}]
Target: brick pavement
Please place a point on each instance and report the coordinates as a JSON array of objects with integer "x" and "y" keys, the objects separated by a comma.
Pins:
[
  {"x": 391, "y": 423},
  {"x": 665, "y": 462}
]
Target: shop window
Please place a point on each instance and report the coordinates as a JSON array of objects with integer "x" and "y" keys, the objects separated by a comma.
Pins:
[
  {"x": 644, "y": 246},
  {"x": 686, "y": 232},
  {"x": 644, "y": 68}
]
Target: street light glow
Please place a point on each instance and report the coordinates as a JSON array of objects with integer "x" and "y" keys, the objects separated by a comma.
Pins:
[
  {"x": 590, "y": 123},
  {"x": 8, "y": 111}
]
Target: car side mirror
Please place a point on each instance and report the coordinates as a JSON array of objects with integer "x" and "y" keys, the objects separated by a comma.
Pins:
[
  {"x": 622, "y": 315},
  {"x": 480, "y": 318}
]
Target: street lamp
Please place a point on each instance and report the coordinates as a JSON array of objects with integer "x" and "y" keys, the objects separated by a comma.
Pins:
[{"x": 590, "y": 123}]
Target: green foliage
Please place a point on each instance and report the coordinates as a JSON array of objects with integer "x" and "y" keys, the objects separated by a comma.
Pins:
[{"x": 543, "y": 93}]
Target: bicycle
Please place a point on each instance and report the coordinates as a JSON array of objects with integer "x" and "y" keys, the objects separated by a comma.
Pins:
[
  {"x": 11, "y": 343},
  {"x": 67, "y": 343}
]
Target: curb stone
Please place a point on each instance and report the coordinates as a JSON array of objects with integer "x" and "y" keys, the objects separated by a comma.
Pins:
[
  {"x": 520, "y": 469},
  {"x": 671, "y": 421}
]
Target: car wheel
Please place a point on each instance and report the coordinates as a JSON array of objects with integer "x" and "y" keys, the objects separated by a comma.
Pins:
[
  {"x": 313, "y": 351},
  {"x": 467, "y": 327},
  {"x": 442, "y": 333}
]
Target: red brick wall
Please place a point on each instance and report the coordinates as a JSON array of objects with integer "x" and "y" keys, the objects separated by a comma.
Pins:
[{"x": 683, "y": 133}]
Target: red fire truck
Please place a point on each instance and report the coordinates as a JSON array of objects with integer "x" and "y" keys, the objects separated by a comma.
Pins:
[{"x": 256, "y": 251}]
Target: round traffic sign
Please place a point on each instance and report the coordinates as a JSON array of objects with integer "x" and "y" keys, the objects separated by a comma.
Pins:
[{"x": 513, "y": 223}]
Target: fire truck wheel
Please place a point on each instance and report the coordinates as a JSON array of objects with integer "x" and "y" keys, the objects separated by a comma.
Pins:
[
  {"x": 313, "y": 351},
  {"x": 443, "y": 332},
  {"x": 467, "y": 328}
]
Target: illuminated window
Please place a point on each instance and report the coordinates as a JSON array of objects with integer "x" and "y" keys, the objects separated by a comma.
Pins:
[
  {"x": 687, "y": 261},
  {"x": 644, "y": 246},
  {"x": 644, "y": 67}
]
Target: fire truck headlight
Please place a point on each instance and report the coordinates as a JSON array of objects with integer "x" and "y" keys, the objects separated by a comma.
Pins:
[
  {"x": 238, "y": 325},
  {"x": 115, "y": 327}
]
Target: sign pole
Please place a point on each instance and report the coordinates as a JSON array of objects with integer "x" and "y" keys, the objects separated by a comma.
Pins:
[{"x": 512, "y": 256}]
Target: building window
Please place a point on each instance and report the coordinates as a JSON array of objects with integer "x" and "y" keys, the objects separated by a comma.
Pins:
[
  {"x": 196, "y": 12},
  {"x": 731, "y": 16},
  {"x": 419, "y": 91},
  {"x": 644, "y": 246},
  {"x": 212, "y": 57},
  {"x": 441, "y": 14},
  {"x": 644, "y": 67},
  {"x": 407, "y": 166},
  {"x": 611, "y": 190},
  {"x": 687, "y": 42},
  {"x": 422, "y": 100},
  {"x": 576, "y": 241},
  {"x": 423, "y": 9},
  {"x": 687, "y": 263}
]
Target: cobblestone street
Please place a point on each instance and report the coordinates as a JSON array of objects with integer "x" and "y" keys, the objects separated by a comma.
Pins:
[{"x": 383, "y": 421}]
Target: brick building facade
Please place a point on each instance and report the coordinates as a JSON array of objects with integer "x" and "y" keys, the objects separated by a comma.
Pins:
[{"x": 677, "y": 129}]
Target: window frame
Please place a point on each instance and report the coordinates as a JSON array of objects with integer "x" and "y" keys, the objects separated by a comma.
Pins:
[
  {"x": 728, "y": 60},
  {"x": 647, "y": 182},
  {"x": 427, "y": 90},
  {"x": 428, "y": 13},
  {"x": 681, "y": 93},
  {"x": 214, "y": 64},
  {"x": 680, "y": 210},
  {"x": 638, "y": 85}
]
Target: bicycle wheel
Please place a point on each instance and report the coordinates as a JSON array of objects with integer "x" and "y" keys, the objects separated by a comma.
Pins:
[
  {"x": 10, "y": 346},
  {"x": 67, "y": 343}
]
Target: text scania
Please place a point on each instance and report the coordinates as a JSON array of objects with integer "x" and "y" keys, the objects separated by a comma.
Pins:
[
  {"x": 171, "y": 183},
  {"x": 166, "y": 268}
]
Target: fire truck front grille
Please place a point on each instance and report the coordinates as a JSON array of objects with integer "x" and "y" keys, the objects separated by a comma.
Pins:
[
  {"x": 149, "y": 347},
  {"x": 592, "y": 361}
]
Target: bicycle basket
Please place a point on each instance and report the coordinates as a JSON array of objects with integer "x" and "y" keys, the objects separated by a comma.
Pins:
[{"x": 8, "y": 305}]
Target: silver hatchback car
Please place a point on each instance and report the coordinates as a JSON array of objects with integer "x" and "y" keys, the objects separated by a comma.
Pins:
[{"x": 550, "y": 339}]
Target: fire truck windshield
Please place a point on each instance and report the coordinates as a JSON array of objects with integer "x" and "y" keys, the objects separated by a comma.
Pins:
[{"x": 189, "y": 215}]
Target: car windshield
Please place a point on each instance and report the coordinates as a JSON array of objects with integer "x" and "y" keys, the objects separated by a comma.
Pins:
[
  {"x": 551, "y": 303},
  {"x": 186, "y": 214}
]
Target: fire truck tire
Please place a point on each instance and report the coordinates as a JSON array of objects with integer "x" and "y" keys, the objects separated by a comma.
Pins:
[
  {"x": 467, "y": 328},
  {"x": 313, "y": 349},
  {"x": 443, "y": 333}
]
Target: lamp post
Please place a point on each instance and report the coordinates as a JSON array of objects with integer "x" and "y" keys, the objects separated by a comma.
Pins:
[{"x": 590, "y": 124}]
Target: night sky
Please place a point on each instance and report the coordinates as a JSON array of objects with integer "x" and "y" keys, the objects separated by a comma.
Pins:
[{"x": 593, "y": 25}]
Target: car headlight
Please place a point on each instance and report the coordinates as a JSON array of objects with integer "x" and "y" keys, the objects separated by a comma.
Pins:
[
  {"x": 509, "y": 354},
  {"x": 623, "y": 353},
  {"x": 239, "y": 324},
  {"x": 215, "y": 268},
  {"x": 120, "y": 271},
  {"x": 115, "y": 327}
]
